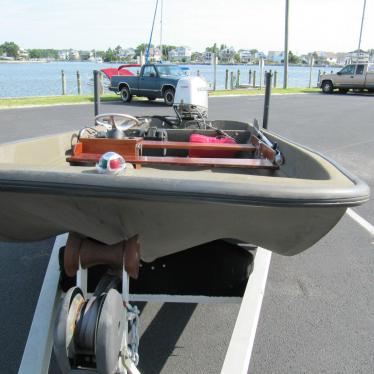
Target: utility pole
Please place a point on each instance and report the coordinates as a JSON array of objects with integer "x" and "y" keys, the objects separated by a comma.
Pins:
[
  {"x": 162, "y": 5},
  {"x": 362, "y": 25},
  {"x": 285, "y": 57}
]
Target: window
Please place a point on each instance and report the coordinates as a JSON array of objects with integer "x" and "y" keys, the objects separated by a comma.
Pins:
[
  {"x": 360, "y": 69},
  {"x": 348, "y": 70},
  {"x": 149, "y": 71},
  {"x": 169, "y": 70}
]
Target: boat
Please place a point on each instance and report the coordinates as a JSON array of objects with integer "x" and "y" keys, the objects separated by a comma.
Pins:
[
  {"x": 122, "y": 70},
  {"x": 175, "y": 192}
]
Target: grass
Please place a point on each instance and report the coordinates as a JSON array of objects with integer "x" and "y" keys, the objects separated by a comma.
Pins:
[
  {"x": 257, "y": 91},
  {"x": 52, "y": 100},
  {"x": 84, "y": 99}
]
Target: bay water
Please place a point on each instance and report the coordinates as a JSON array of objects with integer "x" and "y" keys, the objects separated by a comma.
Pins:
[{"x": 44, "y": 79}]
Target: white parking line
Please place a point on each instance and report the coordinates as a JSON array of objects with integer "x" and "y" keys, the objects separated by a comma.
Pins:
[
  {"x": 37, "y": 353},
  {"x": 361, "y": 221},
  {"x": 239, "y": 351}
]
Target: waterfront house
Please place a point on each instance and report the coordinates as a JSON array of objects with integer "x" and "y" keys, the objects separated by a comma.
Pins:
[
  {"x": 245, "y": 55},
  {"x": 5, "y": 57},
  {"x": 331, "y": 58},
  {"x": 129, "y": 53},
  {"x": 227, "y": 55},
  {"x": 320, "y": 58},
  {"x": 155, "y": 54},
  {"x": 275, "y": 56},
  {"x": 260, "y": 55},
  {"x": 63, "y": 55},
  {"x": 208, "y": 57},
  {"x": 182, "y": 54},
  {"x": 341, "y": 58},
  {"x": 358, "y": 55},
  {"x": 126, "y": 53},
  {"x": 198, "y": 57},
  {"x": 22, "y": 54},
  {"x": 73, "y": 55},
  {"x": 86, "y": 55}
]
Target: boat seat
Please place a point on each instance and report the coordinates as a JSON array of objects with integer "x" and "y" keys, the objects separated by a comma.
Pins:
[
  {"x": 253, "y": 163},
  {"x": 89, "y": 151}
]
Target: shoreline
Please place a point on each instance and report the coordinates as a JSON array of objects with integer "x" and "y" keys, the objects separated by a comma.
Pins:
[{"x": 176, "y": 63}]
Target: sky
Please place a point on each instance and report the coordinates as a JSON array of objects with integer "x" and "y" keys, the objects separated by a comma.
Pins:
[{"x": 314, "y": 25}]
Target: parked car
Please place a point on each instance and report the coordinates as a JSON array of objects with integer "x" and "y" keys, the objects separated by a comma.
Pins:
[
  {"x": 154, "y": 81},
  {"x": 353, "y": 76}
]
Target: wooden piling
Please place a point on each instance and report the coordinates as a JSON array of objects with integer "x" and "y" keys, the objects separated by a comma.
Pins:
[
  {"x": 275, "y": 78},
  {"x": 249, "y": 76},
  {"x": 214, "y": 71},
  {"x": 231, "y": 80},
  {"x": 311, "y": 62},
  {"x": 238, "y": 79},
  {"x": 254, "y": 78},
  {"x": 198, "y": 73},
  {"x": 101, "y": 78},
  {"x": 79, "y": 84},
  {"x": 63, "y": 82},
  {"x": 226, "y": 78}
]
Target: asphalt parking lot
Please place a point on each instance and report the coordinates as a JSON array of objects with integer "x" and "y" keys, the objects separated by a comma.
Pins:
[{"x": 317, "y": 314}]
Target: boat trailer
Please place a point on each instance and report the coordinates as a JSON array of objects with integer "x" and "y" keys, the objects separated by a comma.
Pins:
[{"x": 99, "y": 332}]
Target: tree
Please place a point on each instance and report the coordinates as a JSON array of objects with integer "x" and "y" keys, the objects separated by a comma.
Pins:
[
  {"x": 166, "y": 49},
  {"x": 196, "y": 57},
  {"x": 109, "y": 55},
  {"x": 213, "y": 49},
  {"x": 43, "y": 53},
  {"x": 10, "y": 48},
  {"x": 142, "y": 48},
  {"x": 293, "y": 59},
  {"x": 118, "y": 50},
  {"x": 237, "y": 57}
]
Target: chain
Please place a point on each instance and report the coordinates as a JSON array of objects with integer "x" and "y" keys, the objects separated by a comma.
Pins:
[{"x": 133, "y": 332}]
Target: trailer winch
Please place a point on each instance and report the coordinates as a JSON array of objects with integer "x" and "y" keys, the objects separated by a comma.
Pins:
[{"x": 98, "y": 334}]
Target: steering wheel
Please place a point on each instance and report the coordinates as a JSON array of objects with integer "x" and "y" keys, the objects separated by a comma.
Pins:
[{"x": 111, "y": 123}]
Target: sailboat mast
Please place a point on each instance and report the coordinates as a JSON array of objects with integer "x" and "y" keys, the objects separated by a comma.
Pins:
[
  {"x": 362, "y": 25},
  {"x": 150, "y": 38},
  {"x": 162, "y": 5}
]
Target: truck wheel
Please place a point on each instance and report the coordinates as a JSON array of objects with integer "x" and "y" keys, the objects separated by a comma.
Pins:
[
  {"x": 343, "y": 90},
  {"x": 125, "y": 94},
  {"x": 169, "y": 96},
  {"x": 327, "y": 87}
]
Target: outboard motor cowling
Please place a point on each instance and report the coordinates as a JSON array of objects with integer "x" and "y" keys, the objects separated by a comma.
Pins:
[{"x": 191, "y": 98}]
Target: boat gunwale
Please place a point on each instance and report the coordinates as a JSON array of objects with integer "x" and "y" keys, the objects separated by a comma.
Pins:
[
  {"x": 145, "y": 188},
  {"x": 199, "y": 191}
]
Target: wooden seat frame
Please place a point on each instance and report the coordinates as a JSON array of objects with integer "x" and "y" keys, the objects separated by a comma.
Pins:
[{"x": 89, "y": 150}]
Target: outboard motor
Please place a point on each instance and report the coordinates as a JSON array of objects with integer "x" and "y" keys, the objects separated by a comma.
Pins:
[{"x": 191, "y": 98}]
